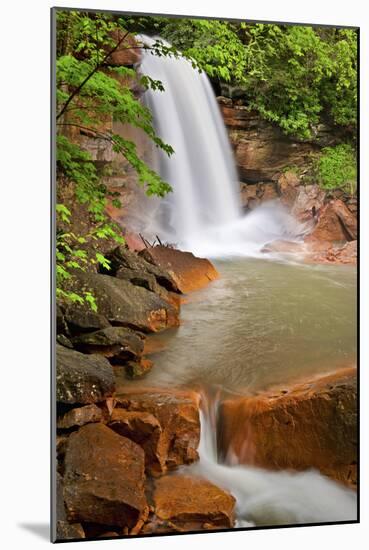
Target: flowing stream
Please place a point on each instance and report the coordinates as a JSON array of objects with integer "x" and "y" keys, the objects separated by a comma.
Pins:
[{"x": 266, "y": 321}]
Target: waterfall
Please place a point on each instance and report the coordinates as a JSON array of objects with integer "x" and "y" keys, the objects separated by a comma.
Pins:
[{"x": 203, "y": 213}]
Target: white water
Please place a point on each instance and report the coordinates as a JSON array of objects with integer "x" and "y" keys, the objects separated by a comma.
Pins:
[
  {"x": 271, "y": 498},
  {"x": 203, "y": 213}
]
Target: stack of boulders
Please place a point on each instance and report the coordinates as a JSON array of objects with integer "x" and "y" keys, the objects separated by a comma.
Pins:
[
  {"x": 115, "y": 449},
  {"x": 136, "y": 298}
]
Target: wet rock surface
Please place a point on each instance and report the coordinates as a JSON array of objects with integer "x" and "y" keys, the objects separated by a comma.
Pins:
[
  {"x": 188, "y": 271},
  {"x": 177, "y": 412},
  {"x": 287, "y": 185},
  {"x": 137, "y": 266},
  {"x": 145, "y": 429},
  {"x": 138, "y": 369},
  {"x": 126, "y": 304},
  {"x": 308, "y": 202},
  {"x": 104, "y": 478},
  {"x": 327, "y": 253},
  {"x": 80, "y": 416},
  {"x": 110, "y": 342},
  {"x": 253, "y": 195},
  {"x": 82, "y": 379},
  {"x": 190, "y": 503},
  {"x": 80, "y": 319},
  {"x": 285, "y": 247},
  {"x": 308, "y": 425}
]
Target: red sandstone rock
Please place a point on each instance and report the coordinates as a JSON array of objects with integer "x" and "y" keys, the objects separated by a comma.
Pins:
[
  {"x": 188, "y": 271},
  {"x": 326, "y": 253},
  {"x": 311, "y": 424},
  {"x": 177, "y": 413},
  {"x": 309, "y": 199},
  {"x": 249, "y": 195},
  {"x": 80, "y": 416},
  {"x": 235, "y": 117},
  {"x": 104, "y": 478},
  {"x": 145, "y": 430},
  {"x": 348, "y": 253},
  {"x": 347, "y": 219},
  {"x": 288, "y": 184},
  {"x": 336, "y": 223},
  {"x": 261, "y": 149},
  {"x": 189, "y": 503},
  {"x": 61, "y": 446},
  {"x": 319, "y": 252}
]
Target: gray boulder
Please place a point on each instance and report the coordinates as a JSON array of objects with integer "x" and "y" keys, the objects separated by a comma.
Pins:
[
  {"x": 82, "y": 379},
  {"x": 119, "y": 342},
  {"x": 125, "y": 304}
]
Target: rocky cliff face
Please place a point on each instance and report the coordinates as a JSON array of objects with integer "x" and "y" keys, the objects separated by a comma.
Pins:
[{"x": 261, "y": 149}]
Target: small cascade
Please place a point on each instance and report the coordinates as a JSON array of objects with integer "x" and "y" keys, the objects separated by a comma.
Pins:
[{"x": 266, "y": 497}]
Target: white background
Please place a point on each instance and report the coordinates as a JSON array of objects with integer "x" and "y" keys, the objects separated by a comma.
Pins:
[{"x": 24, "y": 231}]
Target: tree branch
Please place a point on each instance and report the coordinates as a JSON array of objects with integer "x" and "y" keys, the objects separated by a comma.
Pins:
[
  {"x": 78, "y": 89},
  {"x": 95, "y": 131}
]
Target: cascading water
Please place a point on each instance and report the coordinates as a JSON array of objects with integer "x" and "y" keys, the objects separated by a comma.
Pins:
[
  {"x": 203, "y": 213},
  {"x": 271, "y": 498}
]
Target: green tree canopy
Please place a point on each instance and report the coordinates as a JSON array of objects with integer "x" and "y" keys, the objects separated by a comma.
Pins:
[{"x": 295, "y": 76}]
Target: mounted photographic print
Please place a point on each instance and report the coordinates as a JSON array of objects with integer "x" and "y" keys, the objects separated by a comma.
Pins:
[{"x": 205, "y": 243}]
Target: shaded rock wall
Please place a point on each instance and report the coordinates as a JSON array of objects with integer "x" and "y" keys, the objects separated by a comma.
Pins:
[{"x": 261, "y": 149}]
